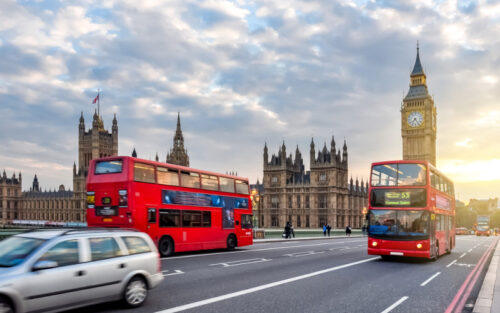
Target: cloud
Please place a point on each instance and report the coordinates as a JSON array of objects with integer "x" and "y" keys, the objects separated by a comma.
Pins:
[{"x": 242, "y": 73}]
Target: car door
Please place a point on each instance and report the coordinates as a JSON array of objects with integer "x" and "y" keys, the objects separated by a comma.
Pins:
[
  {"x": 61, "y": 286},
  {"x": 107, "y": 268}
]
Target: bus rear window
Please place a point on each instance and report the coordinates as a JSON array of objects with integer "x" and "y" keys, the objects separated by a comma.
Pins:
[{"x": 108, "y": 167}]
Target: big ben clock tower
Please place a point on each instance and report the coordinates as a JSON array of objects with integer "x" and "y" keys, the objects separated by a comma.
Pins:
[{"x": 418, "y": 118}]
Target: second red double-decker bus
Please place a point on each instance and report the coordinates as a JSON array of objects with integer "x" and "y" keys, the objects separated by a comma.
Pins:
[
  {"x": 411, "y": 210},
  {"x": 181, "y": 208}
]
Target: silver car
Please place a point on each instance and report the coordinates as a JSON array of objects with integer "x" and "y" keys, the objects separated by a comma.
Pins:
[{"x": 49, "y": 271}]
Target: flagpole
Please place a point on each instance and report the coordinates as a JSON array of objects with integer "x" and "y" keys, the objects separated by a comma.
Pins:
[{"x": 98, "y": 107}]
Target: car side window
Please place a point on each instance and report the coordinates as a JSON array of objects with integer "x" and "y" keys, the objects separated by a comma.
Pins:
[
  {"x": 136, "y": 245},
  {"x": 104, "y": 248},
  {"x": 64, "y": 253}
]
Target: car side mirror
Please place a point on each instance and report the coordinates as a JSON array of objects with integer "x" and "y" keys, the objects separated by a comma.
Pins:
[{"x": 44, "y": 265}]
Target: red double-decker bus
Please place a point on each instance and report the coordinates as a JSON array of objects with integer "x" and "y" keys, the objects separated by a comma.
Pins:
[
  {"x": 181, "y": 208},
  {"x": 411, "y": 210}
]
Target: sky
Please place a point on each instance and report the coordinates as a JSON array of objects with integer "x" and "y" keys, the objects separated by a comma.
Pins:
[{"x": 244, "y": 73}]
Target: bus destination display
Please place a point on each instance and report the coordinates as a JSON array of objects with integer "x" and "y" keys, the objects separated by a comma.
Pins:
[{"x": 397, "y": 198}]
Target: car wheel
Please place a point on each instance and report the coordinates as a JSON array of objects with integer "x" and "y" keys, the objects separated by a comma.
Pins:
[
  {"x": 136, "y": 292},
  {"x": 166, "y": 246},
  {"x": 6, "y": 306},
  {"x": 231, "y": 242}
]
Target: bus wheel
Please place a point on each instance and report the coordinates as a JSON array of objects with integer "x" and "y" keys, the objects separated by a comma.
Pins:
[
  {"x": 166, "y": 246},
  {"x": 231, "y": 242},
  {"x": 450, "y": 246}
]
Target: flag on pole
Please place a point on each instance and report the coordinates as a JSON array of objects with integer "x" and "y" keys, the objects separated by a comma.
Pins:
[{"x": 95, "y": 99}]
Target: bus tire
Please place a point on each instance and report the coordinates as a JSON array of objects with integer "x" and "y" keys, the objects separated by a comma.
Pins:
[
  {"x": 450, "y": 246},
  {"x": 231, "y": 242},
  {"x": 166, "y": 246}
]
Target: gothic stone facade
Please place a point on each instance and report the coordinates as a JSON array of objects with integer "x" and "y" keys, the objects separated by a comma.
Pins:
[
  {"x": 66, "y": 205},
  {"x": 314, "y": 198},
  {"x": 10, "y": 193}
]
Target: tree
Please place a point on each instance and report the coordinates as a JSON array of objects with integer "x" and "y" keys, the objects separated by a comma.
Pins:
[
  {"x": 465, "y": 217},
  {"x": 495, "y": 219}
]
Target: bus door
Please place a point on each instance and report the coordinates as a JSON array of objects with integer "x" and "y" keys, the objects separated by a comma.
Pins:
[
  {"x": 447, "y": 231},
  {"x": 152, "y": 223},
  {"x": 432, "y": 234}
]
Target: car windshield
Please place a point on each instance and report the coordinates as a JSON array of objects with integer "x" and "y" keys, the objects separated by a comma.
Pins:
[
  {"x": 14, "y": 250},
  {"x": 399, "y": 224}
]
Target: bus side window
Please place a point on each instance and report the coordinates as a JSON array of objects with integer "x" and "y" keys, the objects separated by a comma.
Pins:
[
  {"x": 170, "y": 218},
  {"x": 144, "y": 173},
  {"x": 190, "y": 179},
  {"x": 433, "y": 179},
  {"x": 151, "y": 215},
  {"x": 207, "y": 219},
  {"x": 242, "y": 187}
]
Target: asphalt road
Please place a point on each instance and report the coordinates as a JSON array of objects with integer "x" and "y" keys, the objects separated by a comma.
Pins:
[{"x": 332, "y": 275}]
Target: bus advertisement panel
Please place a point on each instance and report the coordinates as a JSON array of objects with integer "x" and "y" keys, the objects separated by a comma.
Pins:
[
  {"x": 411, "y": 210},
  {"x": 181, "y": 208}
]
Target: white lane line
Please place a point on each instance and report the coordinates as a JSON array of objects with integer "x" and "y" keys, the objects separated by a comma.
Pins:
[
  {"x": 462, "y": 255},
  {"x": 389, "y": 309},
  {"x": 428, "y": 280},
  {"x": 451, "y": 263},
  {"x": 241, "y": 262},
  {"x": 261, "y": 287},
  {"x": 252, "y": 250},
  {"x": 299, "y": 254},
  {"x": 469, "y": 250},
  {"x": 176, "y": 272}
]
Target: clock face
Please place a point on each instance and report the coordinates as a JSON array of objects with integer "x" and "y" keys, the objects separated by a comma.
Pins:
[{"x": 415, "y": 119}]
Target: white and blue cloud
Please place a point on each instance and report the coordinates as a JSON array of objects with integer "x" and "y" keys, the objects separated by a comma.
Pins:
[{"x": 242, "y": 73}]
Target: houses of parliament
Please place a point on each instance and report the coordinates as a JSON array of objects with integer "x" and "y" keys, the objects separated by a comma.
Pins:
[{"x": 68, "y": 206}]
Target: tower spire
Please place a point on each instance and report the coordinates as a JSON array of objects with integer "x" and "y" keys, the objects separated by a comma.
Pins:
[
  {"x": 417, "y": 68},
  {"x": 178, "y": 154}
]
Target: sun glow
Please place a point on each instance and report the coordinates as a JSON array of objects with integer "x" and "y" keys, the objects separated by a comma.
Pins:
[{"x": 464, "y": 171}]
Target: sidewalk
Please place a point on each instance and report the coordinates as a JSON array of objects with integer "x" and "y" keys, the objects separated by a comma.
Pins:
[{"x": 488, "y": 300}]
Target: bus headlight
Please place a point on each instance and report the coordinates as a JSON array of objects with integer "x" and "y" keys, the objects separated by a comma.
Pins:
[
  {"x": 374, "y": 244},
  {"x": 90, "y": 199},
  {"x": 419, "y": 246},
  {"x": 122, "y": 198}
]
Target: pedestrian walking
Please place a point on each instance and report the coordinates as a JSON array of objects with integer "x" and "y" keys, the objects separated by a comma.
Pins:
[
  {"x": 348, "y": 231},
  {"x": 324, "y": 230},
  {"x": 328, "y": 229},
  {"x": 288, "y": 230}
]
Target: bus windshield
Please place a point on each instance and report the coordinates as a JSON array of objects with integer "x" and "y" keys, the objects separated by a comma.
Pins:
[
  {"x": 399, "y": 175},
  {"x": 399, "y": 224}
]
